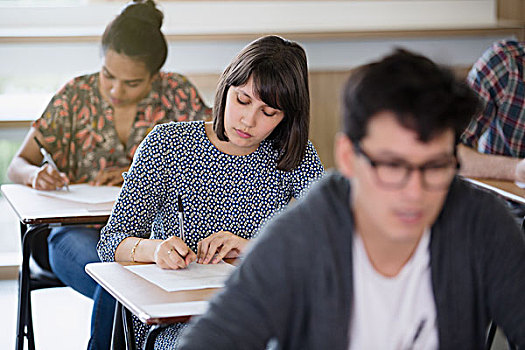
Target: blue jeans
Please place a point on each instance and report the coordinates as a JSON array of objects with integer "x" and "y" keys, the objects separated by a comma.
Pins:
[{"x": 70, "y": 249}]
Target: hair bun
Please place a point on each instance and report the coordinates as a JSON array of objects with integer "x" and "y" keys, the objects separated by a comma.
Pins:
[{"x": 144, "y": 11}]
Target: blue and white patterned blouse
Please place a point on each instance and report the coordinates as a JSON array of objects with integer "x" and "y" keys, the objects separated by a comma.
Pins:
[{"x": 220, "y": 192}]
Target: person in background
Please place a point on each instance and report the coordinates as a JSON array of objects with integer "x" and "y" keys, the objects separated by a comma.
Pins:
[
  {"x": 493, "y": 144},
  {"x": 92, "y": 128},
  {"x": 393, "y": 250},
  {"x": 232, "y": 174}
]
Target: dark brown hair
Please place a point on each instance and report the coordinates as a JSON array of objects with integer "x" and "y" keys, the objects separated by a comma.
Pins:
[
  {"x": 280, "y": 78},
  {"x": 423, "y": 96},
  {"x": 135, "y": 32}
]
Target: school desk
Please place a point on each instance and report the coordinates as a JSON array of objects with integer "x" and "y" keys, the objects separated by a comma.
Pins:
[
  {"x": 37, "y": 212},
  {"x": 507, "y": 189},
  {"x": 150, "y": 303}
]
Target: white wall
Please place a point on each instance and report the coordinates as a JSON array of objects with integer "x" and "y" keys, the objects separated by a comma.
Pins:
[
  {"x": 69, "y": 59},
  {"x": 227, "y": 17},
  {"x": 192, "y": 51}
]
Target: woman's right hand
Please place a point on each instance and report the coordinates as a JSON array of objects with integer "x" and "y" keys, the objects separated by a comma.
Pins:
[
  {"x": 47, "y": 178},
  {"x": 173, "y": 254}
]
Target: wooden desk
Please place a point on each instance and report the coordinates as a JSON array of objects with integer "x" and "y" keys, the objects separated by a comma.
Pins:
[
  {"x": 507, "y": 189},
  {"x": 36, "y": 214}
]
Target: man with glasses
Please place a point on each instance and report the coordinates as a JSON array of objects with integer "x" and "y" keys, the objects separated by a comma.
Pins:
[{"x": 393, "y": 251}]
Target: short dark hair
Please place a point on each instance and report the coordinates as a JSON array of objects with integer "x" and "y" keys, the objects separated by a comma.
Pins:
[
  {"x": 135, "y": 32},
  {"x": 280, "y": 78},
  {"x": 424, "y": 97}
]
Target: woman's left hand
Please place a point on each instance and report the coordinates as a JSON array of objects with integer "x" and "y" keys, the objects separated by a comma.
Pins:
[
  {"x": 109, "y": 176},
  {"x": 222, "y": 244}
]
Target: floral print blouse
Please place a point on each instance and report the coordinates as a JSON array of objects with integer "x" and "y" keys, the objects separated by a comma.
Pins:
[{"x": 78, "y": 128}]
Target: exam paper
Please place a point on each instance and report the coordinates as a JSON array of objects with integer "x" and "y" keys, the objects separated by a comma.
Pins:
[
  {"x": 195, "y": 276},
  {"x": 85, "y": 193}
]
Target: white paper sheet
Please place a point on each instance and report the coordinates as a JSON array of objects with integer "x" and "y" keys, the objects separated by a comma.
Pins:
[
  {"x": 520, "y": 184},
  {"x": 195, "y": 276},
  {"x": 85, "y": 193}
]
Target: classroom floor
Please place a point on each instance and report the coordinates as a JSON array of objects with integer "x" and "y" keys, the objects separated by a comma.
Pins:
[{"x": 60, "y": 317}]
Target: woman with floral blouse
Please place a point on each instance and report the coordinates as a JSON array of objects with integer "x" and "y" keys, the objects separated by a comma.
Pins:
[{"x": 93, "y": 126}]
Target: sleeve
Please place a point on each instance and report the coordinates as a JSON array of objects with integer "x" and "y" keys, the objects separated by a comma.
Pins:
[
  {"x": 488, "y": 79},
  {"x": 503, "y": 263},
  {"x": 255, "y": 305},
  {"x": 307, "y": 172},
  {"x": 55, "y": 124},
  {"x": 140, "y": 197},
  {"x": 187, "y": 100}
]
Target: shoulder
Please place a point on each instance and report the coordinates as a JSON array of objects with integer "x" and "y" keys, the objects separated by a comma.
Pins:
[
  {"x": 463, "y": 192},
  {"x": 174, "y": 80},
  {"x": 310, "y": 163},
  {"x": 507, "y": 48},
  {"x": 500, "y": 58},
  {"x": 310, "y": 157},
  {"x": 314, "y": 227},
  {"x": 310, "y": 153},
  {"x": 310, "y": 148},
  {"x": 473, "y": 211},
  {"x": 181, "y": 131},
  {"x": 329, "y": 194},
  {"x": 325, "y": 206},
  {"x": 86, "y": 82}
]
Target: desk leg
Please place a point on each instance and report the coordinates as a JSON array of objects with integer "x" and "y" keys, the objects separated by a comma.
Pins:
[
  {"x": 129, "y": 333},
  {"x": 24, "y": 318},
  {"x": 152, "y": 335},
  {"x": 123, "y": 326},
  {"x": 117, "y": 340}
]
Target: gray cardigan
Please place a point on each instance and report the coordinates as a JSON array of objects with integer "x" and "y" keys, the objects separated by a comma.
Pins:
[{"x": 296, "y": 283}]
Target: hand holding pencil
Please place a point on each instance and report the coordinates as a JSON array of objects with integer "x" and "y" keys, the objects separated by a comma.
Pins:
[{"x": 48, "y": 177}]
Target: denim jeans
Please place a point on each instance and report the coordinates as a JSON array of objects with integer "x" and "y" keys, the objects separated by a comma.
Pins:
[{"x": 70, "y": 249}]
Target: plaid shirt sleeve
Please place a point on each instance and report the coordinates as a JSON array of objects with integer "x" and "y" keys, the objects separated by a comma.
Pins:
[
  {"x": 498, "y": 79},
  {"x": 487, "y": 78}
]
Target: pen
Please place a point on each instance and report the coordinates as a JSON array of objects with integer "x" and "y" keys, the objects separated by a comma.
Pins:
[
  {"x": 417, "y": 333},
  {"x": 181, "y": 219},
  {"x": 48, "y": 158}
]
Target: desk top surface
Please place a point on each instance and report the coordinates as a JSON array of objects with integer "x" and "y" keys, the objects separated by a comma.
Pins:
[
  {"x": 507, "y": 189},
  {"x": 33, "y": 208},
  {"x": 146, "y": 300}
]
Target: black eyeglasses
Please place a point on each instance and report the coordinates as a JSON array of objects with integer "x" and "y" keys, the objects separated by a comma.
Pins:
[{"x": 395, "y": 174}]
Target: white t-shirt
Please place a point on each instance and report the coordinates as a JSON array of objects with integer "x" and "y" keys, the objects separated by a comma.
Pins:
[{"x": 393, "y": 313}]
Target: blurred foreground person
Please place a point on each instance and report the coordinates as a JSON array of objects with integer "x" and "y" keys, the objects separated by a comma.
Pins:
[{"x": 393, "y": 251}]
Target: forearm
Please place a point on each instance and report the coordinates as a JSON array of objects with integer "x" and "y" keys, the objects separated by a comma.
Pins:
[
  {"x": 144, "y": 249},
  {"x": 475, "y": 164},
  {"x": 21, "y": 171}
]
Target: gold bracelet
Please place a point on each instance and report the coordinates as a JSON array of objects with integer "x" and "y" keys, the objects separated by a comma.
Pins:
[{"x": 134, "y": 248}]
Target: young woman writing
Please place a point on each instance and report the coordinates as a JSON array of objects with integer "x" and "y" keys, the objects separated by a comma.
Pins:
[{"x": 232, "y": 174}]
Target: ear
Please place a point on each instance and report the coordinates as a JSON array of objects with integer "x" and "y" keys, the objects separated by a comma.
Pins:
[{"x": 344, "y": 155}]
